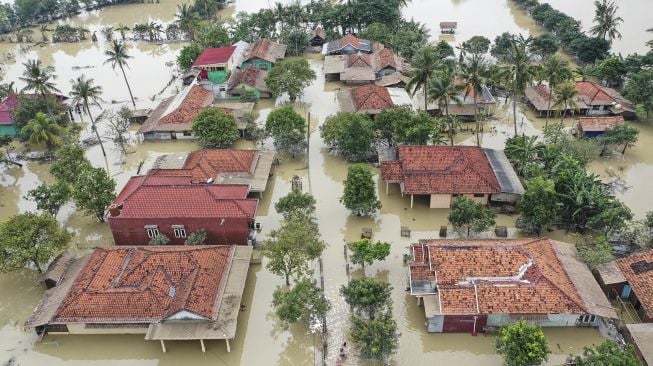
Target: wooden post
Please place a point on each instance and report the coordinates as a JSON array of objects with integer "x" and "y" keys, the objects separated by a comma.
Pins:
[
  {"x": 386, "y": 188},
  {"x": 203, "y": 347},
  {"x": 163, "y": 346},
  {"x": 228, "y": 346},
  {"x": 411, "y": 201}
]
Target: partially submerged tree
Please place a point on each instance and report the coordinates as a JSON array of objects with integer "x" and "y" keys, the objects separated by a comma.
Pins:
[
  {"x": 350, "y": 134},
  {"x": 94, "y": 191},
  {"x": 290, "y": 75},
  {"x": 377, "y": 339},
  {"x": 295, "y": 201},
  {"x": 68, "y": 163},
  {"x": 30, "y": 239},
  {"x": 367, "y": 296},
  {"x": 288, "y": 130},
  {"x": 538, "y": 208},
  {"x": 366, "y": 252},
  {"x": 43, "y": 130},
  {"x": 596, "y": 253},
  {"x": 522, "y": 344},
  {"x": 359, "y": 195},
  {"x": 304, "y": 301},
  {"x": 50, "y": 198},
  {"x": 118, "y": 55},
  {"x": 469, "y": 216},
  {"x": 215, "y": 128},
  {"x": 620, "y": 135},
  {"x": 608, "y": 353}
]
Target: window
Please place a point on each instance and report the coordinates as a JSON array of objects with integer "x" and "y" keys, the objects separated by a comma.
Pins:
[
  {"x": 152, "y": 231},
  {"x": 587, "y": 319},
  {"x": 187, "y": 133},
  {"x": 479, "y": 195},
  {"x": 596, "y": 107},
  {"x": 179, "y": 230}
]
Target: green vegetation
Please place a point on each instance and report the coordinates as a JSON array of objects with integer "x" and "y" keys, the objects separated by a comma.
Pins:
[
  {"x": 538, "y": 208},
  {"x": 117, "y": 55},
  {"x": 83, "y": 91},
  {"x": 288, "y": 129},
  {"x": 620, "y": 135},
  {"x": 469, "y": 216},
  {"x": 215, "y": 128},
  {"x": 367, "y": 296},
  {"x": 94, "y": 191},
  {"x": 43, "y": 130},
  {"x": 196, "y": 238},
  {"x": 304, "y": 302},
  {"x": 295, "y": 201},
  {"x": 377, "y": 339},
  {"x": 366, "y": 252},
  {"x": 607, "y": 353},
  {"x": 290, "y": 75},
  {"x": 50, "y": 198},
  {"x": 350, "y": 134},
  {"x": 159, "y": 239},
  {"x": 30, "y": 239},
  {"x": 359, "y": 195},
  {"x": 596, "y": 253},
  {"x": 522, "y": 344}
]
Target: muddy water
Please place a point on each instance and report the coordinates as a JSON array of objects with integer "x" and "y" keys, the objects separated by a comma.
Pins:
[{"x": 260, "y": 340}]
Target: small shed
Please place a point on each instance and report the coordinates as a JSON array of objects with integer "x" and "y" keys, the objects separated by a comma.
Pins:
[
  {"x": 140, "y": 115},
  {"x": 611, "y": 279},
  {"x": 448, "y": 27},
  {"x": 318, "y": 37},
  {"x": 596, "y": 126}
]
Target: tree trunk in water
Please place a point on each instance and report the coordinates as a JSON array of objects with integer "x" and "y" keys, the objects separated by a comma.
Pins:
[
  {"x": 624, "y": 150},
  {"x": 287, "y": 279},
  {"x": 514, "y": 110},
  {"x": 426, "y": 106},
  {"x": 548, "y": 108},
  {"x": 38, "y": 267},
  {"x": 128, "y": 87},
  {"x": 97, "y": 134},
  {"x": 446, "y": 107},
  {"x": 478, "y": 140}
]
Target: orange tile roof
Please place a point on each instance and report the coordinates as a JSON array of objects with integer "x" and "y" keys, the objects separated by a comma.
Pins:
[
  {"x": 267, "y": 50},
  {"x": 349, "y": 39},
  {"x": 181, "y": 118},
  {"x": 359, "y": 60},
  {"x": 638, "y": 270},
  {"x": 146, "y": 284},
  {"x": 592, "y": 93},
  {"x": 371, "y": 98},
  {"x": 441, "y": 170},
  {"x": 203, "y": 165},
  {"x": 600, "y": 123},
  {"x": 168, "y": 197},
  {"x": 250, "y": 76},
  {"x": 386, "y": 58},
  {"x": 512, "y": 276}
]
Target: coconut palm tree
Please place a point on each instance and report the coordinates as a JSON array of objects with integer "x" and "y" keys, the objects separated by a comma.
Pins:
[
  {"x": 565, "y": 99},
  {"x": 83, "y": 91},
  {"x": 107, "y": 32},
  {"x": 554, "y": 71},
  {"x": 43, "y": 129},
  {"x": 423, "y": 66},
  {"x": 519, "y": 72},
  {"x": 39, "y": 80},
  {"x": 472, "y": 71},
  {"x": 444, "y": 90},
  {"x": 122, "y": 29},
  {"x": 606, "y": 20},
  {"x": 118, "y": 56},
  {"x": 187, "y": 19}
]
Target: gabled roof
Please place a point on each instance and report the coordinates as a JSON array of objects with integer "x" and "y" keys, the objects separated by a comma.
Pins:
[
  {"x": 600, "y": 123},
  {"x": 318, "y": 32},
  {"x": 441, "y": 170},
  {"x": 386, "y": 58},
  {"x": 396, "y": 79},
  {"x": 266, "y": 50},
  {"x": 351, "y": 40},
  {"x": 176, "y": 113},
  {"x": 146, "y": 284},
  {"x": 589, "y": 94},
  {"x": 512, "y": 276},
  {"x": 175, "y": 197},
  {"x": 250, "y": 76},
  {"x": 638, "y": 270},
  {"x": 210, "y": 164},
  {"x": 365, "y": 99},
  {"x": 212, "y": 56}
]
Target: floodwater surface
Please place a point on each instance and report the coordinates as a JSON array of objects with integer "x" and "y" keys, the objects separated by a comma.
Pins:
[{"x": 260, "y": 339}]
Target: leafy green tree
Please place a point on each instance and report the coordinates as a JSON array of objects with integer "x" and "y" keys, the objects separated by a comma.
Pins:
[
  {"x": 290, "y": 248},
  {"x": 377, "y": 339},
  {"x": 43, "y": 129},
  {"x": 554, "y": 71},
  {"x": 30, "y": 239},
  {"x": 295, "y": 201},
  {"x": 288, "y": 129},
  {"x": 624, "y": 135},
  {"x": 590, "y": 49},
  {"x": 477, "y": 45},
  {"x": 159, "y": 239},
  {"x": 596, "y": 253},
  {"x": 366, "y": 252},
  {"x": 469, "y": 216},
  {"x": 613, "y": 216},
  {"x": 351, "y": 134},
  {"x": 502, "y": 46},
  {"x": 187, "y": 19},
  {"x": 538, "y": 207},
  {"x": 377, "y": 32},
  {"x": 522, "y": 344},
  {"x": 69, "y": 161},
  {"x": 409, "y": 38},
  {"x": 639, "y": 90},
  {"x": 215, "y": 128},
  {"x": 290, "y": 75},
  {"x": 359, "y": 195},
  {"x": 117, "y": 55},
  {"x": 387, "y": 123},
  {"x": 544, "y": 46},
  {"x": 213, "y": 35},
  {"x": 304, "y": 301},
  {"x": 196, "y": 238},
  {"x": 612, "y": 71},
  {"x": 297, "y": 41},
  {"x": 50, "y": 198},
  {"x": 367, "y": 296},
  {"x": 94, "y": 191},
  {"x": 608, "y": 353},
  {"x": 248, "y": 96},
  {"x": 29, "y": 106},
  {"x": 188, "y": 55}
]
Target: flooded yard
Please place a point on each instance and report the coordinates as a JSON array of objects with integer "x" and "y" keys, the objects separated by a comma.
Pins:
[{"x": 260, "y": 339}]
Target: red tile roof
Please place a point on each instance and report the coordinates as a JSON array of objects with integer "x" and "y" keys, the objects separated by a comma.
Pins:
[
  {"x": 592, "y": 93},
  {"x": 513, "y": 276},
  {"x": 203, "y": 165},
  {"x": 187, "y": 105},
  {"x": 6, "y": 108},
  {"x": 359, "y": 60},
  {"x": 600, "y": 123},
  {"x": 371, "y": 98},
  {"x": 638, "y": 271},
  {"x": 211, "y": 56},
  {"x": 386, "y": 58},
  {"x": 267, "y": 50},
  {"x": 250, "y": 76},
  {"x": 146, "y": 284},
  {"x": 441, "y": 170},
  {"x": 349, "y": 39},
  {"x": 173, "y": 197}
]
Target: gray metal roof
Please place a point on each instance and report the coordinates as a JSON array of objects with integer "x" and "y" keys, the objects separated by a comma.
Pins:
[{"x": 508, "y": 179}]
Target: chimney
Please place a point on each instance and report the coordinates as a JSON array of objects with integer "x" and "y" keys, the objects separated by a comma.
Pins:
[{"x": 114, "y": 210}]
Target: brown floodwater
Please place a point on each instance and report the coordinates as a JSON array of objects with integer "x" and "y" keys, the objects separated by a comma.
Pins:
[{"x": 260, "y": 339}]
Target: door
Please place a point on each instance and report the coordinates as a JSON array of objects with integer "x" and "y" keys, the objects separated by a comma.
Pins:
[
  {"x": 625, "y": 293},
  {"x": 173, "y": 135}
]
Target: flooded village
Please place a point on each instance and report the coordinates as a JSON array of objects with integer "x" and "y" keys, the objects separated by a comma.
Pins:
[{"x": 187, "y": 263}]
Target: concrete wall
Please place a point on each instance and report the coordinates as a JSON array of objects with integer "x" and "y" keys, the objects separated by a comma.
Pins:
[
  {"x": 81, "y": 329},
  {"x": 441, "y": 201},
  {"x": 550, "y": 320}
]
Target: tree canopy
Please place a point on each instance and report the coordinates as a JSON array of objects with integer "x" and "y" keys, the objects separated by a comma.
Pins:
[
  {"x": 359, "y": 195},
  {"x": 522, "y": 344},
  {"x": 215, "y": 128},
  {"x": 288, "y": 129},
  {"x": 290, "y": 75},
  {"x": 367, "y": 296},
  {"x": 350, "y": 134},
  {"x": 295, "y": 201},
  {"x": 607, "y": 353},
  {"x": 366, "y": 252},
  {"x": 94, "y": 191},
  {"x": 304, "y": 301},
  {"x": 469, "y": 216}
]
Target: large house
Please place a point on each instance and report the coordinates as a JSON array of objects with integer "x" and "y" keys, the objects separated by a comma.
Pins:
[
  {"x": 469, "y": 285},
  {"x": 173, "y": 118},
  {"x": 219, "y": 166},
  {"x": 363, "y": 68},
  {"x": 215, "y": 67},
  {"x": 372, "y": 99},
  {"x": 152, "y": 205},
  {"x": 162, "y": 292},
  {"x": 263, "y": 54},
  {"x": 446, "y": 172},
  {"x": 249, "y": 78},
  {"x": 592, "y": 100},
  {"x": 346, "y": 45},
  {"x": 596, "y": 126}
]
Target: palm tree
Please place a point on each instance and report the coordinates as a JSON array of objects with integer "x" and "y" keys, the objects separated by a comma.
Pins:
[
  {"x": 444, "y": 90},
  {"x": 122, "y": 29},
  {"x": 118, "y": 56},
  {"x": 472, "y": 74},
  {"x": 424, "y": 64},
  {"x": 187, "y": 19},
  {"x": 39, "y": 79},
  {"x": 107, "y": 32},
  {"x": 554, "y": 71},
  {"x": 83, "y": 91},
  {"x": 585, "y": 72},
  {"x": 43, "y": 29},
  {"x": 519, "y": 73},
  {"x": 565, "y": 98},
  {"x": 606, "y": 20},
  {"x": 43, "y": 129}
]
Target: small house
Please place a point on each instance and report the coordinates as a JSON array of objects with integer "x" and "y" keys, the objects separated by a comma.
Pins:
[
  {"x": 263, "y": 54},
  {"x": 596, "y": 126},
  {"x": 394, "y": 80},
  {"x": 172, "y": 206},
  {"x": 249, "y": 78},
  {"x": 446, "y": 172},
  {"x": 163, "y": 293},
  {"x": 469, "y": 104},
  {"x": 467, "y": 286},
  {"x": 347, "y": 45},
  {"x": 372, "y": 99},
  {"x": 216, "y": 66},
  {"x": 448, "y": 27},
  {"x": 363, "y": 68},
  {"x": 318, "y": 37},
  {"x": 7, "y": 125}
]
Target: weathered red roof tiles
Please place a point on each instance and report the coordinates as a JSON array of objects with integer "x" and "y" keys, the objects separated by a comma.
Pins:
[
  {"x": 349, "y": 39},
  {"x": 371, "y": 97},
  {"x": 211, "y": 56},
  {"x": 600, "y": 123},
  {"x": 206, "y": 164},
  {"x": 638, "y": 270}
]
